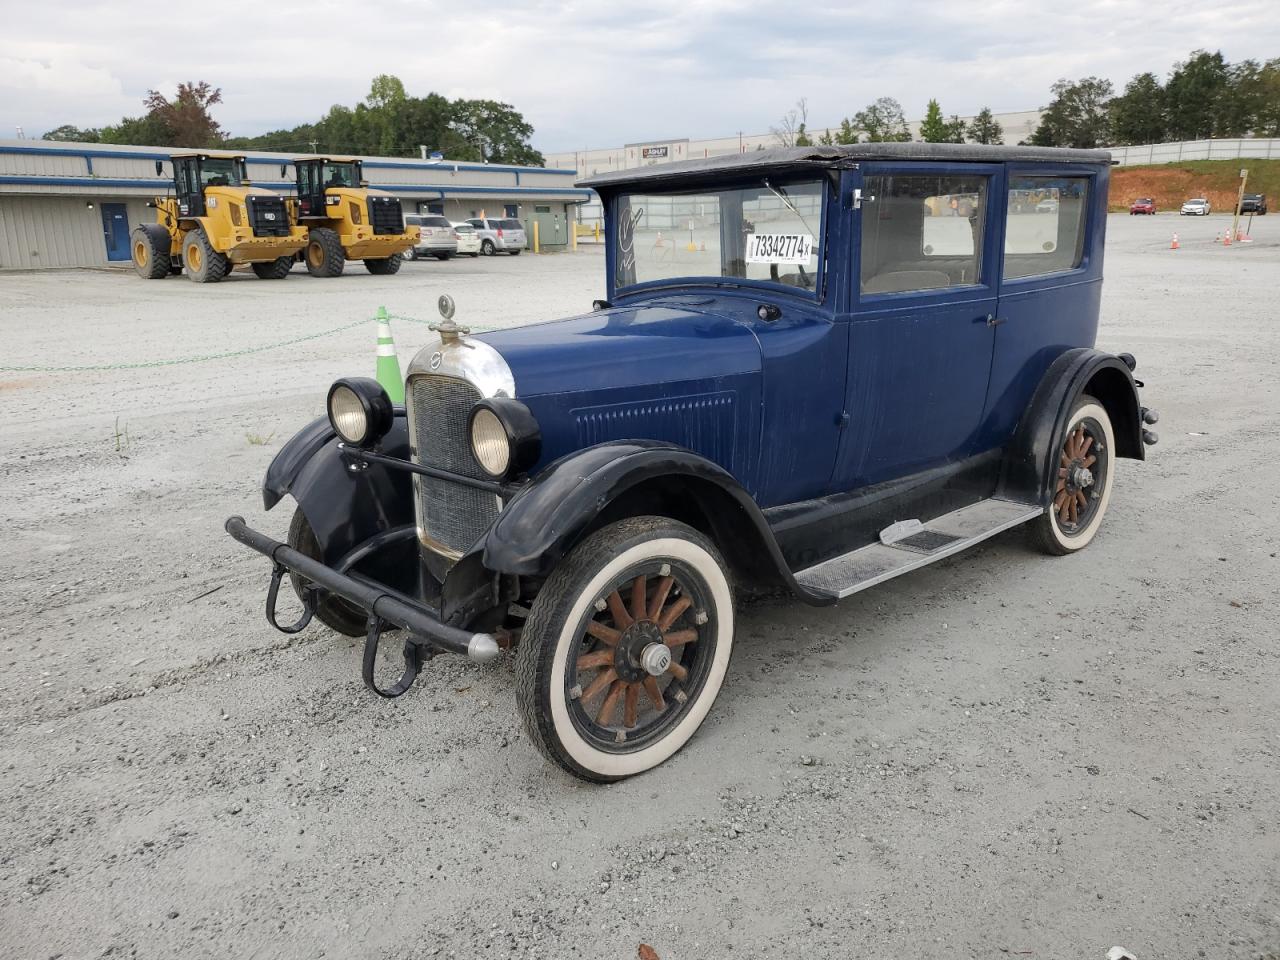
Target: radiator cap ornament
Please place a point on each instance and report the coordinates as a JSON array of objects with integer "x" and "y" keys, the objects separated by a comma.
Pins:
[{"x": 449, "y": 331}]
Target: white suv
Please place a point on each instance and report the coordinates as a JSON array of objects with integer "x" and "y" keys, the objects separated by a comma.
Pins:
[{"x": 499, "y": 236}]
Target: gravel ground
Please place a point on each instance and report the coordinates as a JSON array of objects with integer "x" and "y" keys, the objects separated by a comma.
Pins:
[{"x": 1001, "y": 755}]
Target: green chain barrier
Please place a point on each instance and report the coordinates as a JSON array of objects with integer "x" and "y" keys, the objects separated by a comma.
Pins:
[{"x": 206, "y": 357}]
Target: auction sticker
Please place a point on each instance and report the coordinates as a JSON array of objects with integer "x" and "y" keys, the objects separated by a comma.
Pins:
[{"x": 779, "y": 248}]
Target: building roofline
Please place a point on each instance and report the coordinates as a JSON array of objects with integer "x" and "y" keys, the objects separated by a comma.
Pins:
[{"x": 53, "y": 148}]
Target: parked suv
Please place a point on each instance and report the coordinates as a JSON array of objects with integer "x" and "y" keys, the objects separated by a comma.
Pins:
[
  {"x": 438, "y": 237},
  {"x": 499, "y": 236},
  {"x": 836, "y": 380},
  {"x": 1254, "y": 203}
]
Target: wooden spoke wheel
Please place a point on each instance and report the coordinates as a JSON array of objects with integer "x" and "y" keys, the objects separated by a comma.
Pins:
[
  {"x": 1083, "y": 480},
  {"x": 625, "y": 648}
]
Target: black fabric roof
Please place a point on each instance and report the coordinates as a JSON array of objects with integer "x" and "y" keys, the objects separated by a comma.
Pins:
[{"x": 797, "y": 159}]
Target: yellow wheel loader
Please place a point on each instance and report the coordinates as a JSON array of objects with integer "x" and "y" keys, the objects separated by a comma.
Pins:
[
  {"x": 345, "y": 220},
  {"x": 213, "y": 221}
]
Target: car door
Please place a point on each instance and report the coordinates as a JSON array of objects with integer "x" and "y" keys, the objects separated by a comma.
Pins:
[
  {"x": 921, "y": 318},
  {"x": 1051, "y": 283}
]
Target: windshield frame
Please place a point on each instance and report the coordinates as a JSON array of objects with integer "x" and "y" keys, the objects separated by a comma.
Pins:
[
  {"x": 239, "y": 173},
  {"x": 816, "y": 294}
]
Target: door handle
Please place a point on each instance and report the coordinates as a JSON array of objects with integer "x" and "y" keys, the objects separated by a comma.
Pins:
[{"x": 993, "y": 321}]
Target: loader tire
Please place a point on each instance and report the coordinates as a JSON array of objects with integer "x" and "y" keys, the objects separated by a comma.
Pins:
[
  {"x": 203, "y": 263},
  {"x": 150, "y": 246},
  {"x": 324, "y": 254},
  {"x": 276, "y": 269},
  {"x": 384, "y": 267}
]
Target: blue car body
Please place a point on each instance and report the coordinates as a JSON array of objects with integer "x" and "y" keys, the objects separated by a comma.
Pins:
[{"x": 910, "y": 354}]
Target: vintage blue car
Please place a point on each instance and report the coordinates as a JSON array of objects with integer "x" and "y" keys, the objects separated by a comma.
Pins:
[{"x": 817, "y": 369}]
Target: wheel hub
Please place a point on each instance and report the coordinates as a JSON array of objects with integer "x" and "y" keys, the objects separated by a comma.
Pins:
[
  {"x": 637, "y": 652},
  {"x": 1080, "y": 477}
]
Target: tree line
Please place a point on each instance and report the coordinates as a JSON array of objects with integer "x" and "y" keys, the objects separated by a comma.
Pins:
[
  {"x": 1204, "y": 97},
  {"x": 388, "y": 123}
]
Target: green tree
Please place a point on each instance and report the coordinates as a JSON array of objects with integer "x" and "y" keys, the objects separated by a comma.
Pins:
[
  {"x": 148, "y": 131},
  {"x": 1138, "y": 114},
  {"x": 1077, "y": 116},
  {"x": 1267, "y": 121},
  {"x": 497, "y": 129},
  {"x": 882, "y": 121},
  {"x": 68, "y": 133},
  {"x": 933, "y": 129},
  {"x": 956, "y": 129},
  {"x": 985, "y": 129},
  {"x": 1195, "y": 93},
  {"x": 791, "y": 131},
  {"x": 186, "y": 117}
]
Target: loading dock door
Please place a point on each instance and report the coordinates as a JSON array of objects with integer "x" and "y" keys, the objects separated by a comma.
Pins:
[{"x": 115, "y": 230}]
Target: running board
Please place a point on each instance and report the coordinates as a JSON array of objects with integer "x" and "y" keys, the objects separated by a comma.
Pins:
[{"x": 909, "y": 545}]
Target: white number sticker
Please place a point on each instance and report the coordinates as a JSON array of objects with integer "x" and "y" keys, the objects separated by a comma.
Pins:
[{"x": 779, "y": 248}]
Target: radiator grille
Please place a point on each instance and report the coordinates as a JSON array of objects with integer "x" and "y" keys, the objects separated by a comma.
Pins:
[
  {"x": 267, "y": 216},
  {"x": 385, "y": 215},
  {"x": 450, "y": 514}
]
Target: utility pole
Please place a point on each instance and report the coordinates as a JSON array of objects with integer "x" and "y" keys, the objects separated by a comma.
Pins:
[
  {"x": 315, "y": 146},
  {"x": 1235, "y": 221}
]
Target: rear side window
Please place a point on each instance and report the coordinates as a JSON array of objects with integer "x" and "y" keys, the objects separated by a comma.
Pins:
[
  {"x": 1044, "y": 226},
  {"x": 922, "y": 232}
]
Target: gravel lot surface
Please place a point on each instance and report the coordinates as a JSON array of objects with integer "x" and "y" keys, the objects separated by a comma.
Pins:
[{"x": 1000, "y": 755}]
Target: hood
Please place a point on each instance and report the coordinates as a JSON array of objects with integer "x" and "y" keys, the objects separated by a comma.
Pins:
[{"x": 625, "y": 347}]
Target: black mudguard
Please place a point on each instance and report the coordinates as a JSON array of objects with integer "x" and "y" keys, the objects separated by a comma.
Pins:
[
  {"x": 1030, "y": 467},
  {"x": 345, "y": 507},
  {"x": 588, "y": 488}
]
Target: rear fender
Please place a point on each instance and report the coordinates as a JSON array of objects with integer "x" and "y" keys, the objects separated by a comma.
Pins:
[
  {"x": 345, "y": 507},
  {"x": 1030, "y": 467},
  {"x": 589, "y": 488}
]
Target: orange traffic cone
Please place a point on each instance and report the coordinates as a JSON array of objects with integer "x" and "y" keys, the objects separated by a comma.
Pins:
[
  {"x": 1174, "y": 244},
  {"x": 1226, "y": 238}
]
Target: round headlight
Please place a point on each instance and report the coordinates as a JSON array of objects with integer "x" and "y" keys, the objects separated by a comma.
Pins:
[
  {"x": 360, "y": 411},
  {"x": 489, "y": 442},
  {"x": 347, "y": 414}
]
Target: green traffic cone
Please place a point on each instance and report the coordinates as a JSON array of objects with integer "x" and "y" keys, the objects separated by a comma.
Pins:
[{"x": 388, "y": 363}]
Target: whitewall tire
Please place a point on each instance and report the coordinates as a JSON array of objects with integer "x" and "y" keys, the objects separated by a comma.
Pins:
[
  {"x": 625, "y": 648},
  {"x": 1084, "y": 477}
]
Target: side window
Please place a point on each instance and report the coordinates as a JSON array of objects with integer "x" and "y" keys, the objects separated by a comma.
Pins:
[
  {"x": 1044, "y": 226},
  {"x": 922, "y": 232}
]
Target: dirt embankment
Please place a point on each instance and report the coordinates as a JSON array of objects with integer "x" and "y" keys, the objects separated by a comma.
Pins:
[{"x": 1170, "y": 184}]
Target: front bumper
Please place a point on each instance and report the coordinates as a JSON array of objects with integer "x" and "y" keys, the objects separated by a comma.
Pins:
[
  {"x": 251, "y": 249},
  {"x": 384, "y": 605}
]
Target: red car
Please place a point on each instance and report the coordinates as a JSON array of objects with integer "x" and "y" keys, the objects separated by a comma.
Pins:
[{"x": 1142, "y": 205}]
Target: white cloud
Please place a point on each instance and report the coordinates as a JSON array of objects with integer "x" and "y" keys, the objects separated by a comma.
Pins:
[{"x": 598, "y": 74}]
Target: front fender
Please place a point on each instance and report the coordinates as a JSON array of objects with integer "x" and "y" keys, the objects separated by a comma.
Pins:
[
  {"x": 602, "y": 483},
  {"x": 1030, "y": 469},
  {"x": 345, "y": 507}
]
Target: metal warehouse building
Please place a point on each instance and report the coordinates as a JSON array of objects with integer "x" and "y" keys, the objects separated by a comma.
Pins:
[{"x": 75, "y": 204}]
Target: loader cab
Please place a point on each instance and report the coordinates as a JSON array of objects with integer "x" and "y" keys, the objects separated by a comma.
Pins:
[
  {"x": 316, "y": 176},
  {"x": 193, "y": 172}
]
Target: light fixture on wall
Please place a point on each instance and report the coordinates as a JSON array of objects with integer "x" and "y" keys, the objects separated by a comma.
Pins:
[{"x": 89, "y": 204}]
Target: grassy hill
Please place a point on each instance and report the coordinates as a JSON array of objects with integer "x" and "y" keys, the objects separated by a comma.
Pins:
[{"x": 1169, "y": 184}]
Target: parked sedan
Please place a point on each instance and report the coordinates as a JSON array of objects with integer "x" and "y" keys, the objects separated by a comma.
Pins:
[
  {"x": 1254, "y": 203},
  {"x": 438, "y": 240},
  {"x": 499, "y": 236},
  {"x": 468, "y": 239},
  {"x": 1197, "y": 207},
  {"x": 1142, "y": 205}
]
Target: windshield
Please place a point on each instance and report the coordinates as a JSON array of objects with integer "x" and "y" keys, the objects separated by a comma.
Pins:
[
  {"x": 221, "y": 172},
  {"x": 340, "y": 174},
  {"x": 771, "y": 232}
]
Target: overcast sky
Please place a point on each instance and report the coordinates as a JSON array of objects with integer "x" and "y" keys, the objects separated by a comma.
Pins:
[{"x": 595, "y": 74}]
